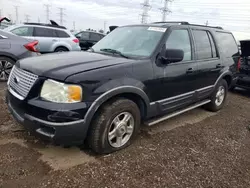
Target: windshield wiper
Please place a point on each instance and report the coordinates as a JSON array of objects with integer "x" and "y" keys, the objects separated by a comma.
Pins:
[{"x": 113, "y": 52}]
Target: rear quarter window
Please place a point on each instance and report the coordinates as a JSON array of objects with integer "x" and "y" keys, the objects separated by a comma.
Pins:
[
  {"x": 44, "y": 32},
  {"x": 227, "y": 44},
  {"x": 62, "y": 34}
]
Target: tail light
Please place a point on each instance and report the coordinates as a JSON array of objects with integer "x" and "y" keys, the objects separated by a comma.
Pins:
[
  {"x": 238, "y": 65},
  {"x": 76, "y": 40},
  {"x": 31, "y": 46}
]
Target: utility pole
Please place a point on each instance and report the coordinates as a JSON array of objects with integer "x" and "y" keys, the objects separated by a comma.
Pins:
[
  {"x": 165, "y": 10},
  {"x": 74, "y": 25},
  {"x": 16, "y": 10},
  {"x": 47, "y": 12},
  {"x": 27, "y": 18},
  {"x": 206, "y": 23},
  {"x": 105, "y": 25},
  {"x": 145, "y": 9},
  {"x": 38, "y": 20},
  {"x": 61, "y": 14}
]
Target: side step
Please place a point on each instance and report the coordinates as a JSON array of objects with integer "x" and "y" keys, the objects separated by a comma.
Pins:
[{"x": 158, "y": 120}]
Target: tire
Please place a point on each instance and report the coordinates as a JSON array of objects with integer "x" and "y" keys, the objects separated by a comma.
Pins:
[
  {"x": 106, "y": 125},
  {"x": 61, "y": 49},
  {"x": 6, "y": 64},
  {"x": 216, "y": 102}
]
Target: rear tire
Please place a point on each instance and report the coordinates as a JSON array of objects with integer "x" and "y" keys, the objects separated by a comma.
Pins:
[
  {"x": 6, "y": 64},
  {"x": 61, "y": 49},
  {"x": 218, "y": 97},
  {"x": 115, "y": 126}
]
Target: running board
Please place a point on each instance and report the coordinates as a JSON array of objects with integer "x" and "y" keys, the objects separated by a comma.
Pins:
[{"x": 155, "y": 121}]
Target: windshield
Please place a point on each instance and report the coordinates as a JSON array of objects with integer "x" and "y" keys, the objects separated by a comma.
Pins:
[{"x": 131, "y": 40}]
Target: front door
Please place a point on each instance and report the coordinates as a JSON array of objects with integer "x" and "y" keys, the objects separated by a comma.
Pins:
[{"x": 175, "y": 82}]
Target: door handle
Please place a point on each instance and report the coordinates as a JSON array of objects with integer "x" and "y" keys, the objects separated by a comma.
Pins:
[
  {"x": 54, "y": 40},
  {"x": 190, "y": 70},
  {"x": 218, "y": 66}
]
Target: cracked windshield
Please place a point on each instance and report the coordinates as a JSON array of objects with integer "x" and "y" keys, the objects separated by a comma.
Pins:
[{"x": 124, "y": 93}]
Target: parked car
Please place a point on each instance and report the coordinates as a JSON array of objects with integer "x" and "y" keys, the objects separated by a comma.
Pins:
[
  {"x": 51, "y": 37},
  {"x": 12, "y": 49},
  {"x": 243, "y": 76},
  {"x": 88, "y": 38},
  {"x": 137, "y": 73}
]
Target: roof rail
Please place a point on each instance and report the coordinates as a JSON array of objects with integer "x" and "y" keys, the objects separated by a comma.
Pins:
[
  {"x": 177, "y": 22},
  {"x": 53, "y": 24},
  {"x": 187, "y": 23}
]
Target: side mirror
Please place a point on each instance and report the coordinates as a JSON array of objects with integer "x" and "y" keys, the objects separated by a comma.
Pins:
[{"x": 173, "y": 56}]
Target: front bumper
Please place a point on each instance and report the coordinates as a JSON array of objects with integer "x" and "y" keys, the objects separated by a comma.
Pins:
[{"x": 66, "y": 133}]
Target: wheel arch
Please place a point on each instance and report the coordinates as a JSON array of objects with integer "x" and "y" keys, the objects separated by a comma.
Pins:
[{"x": 228, "y": 76}]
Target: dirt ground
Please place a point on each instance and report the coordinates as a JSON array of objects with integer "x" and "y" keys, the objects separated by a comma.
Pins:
[{"x": 196, "y": 149}]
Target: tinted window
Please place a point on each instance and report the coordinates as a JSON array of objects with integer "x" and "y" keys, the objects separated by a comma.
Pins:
[
  {"x": 44, "y": 32},
  {"x": 23, "y": 31},
  {"x": 94, "y": 37},
  {"x": 83, "y": 35},
  {"x": 62, "y": 34},
  {"x": 214, "y": 52},
  {"x": 227, "y": 44},
  {"x": 179, "y": 39},
  {"x": 202, "y": 43}
]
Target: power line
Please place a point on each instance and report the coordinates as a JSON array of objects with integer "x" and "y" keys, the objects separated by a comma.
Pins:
[
  {"x": 165, "y": 10},
  {"x": 145, "y": 9},
  {"x": 16, "y": 10},
  {"x": 47, "y": 12},
  {"x": 61, "y": 14}
]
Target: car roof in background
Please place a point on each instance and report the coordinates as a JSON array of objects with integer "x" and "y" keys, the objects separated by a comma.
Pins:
[{"x": 91, "y": 32}]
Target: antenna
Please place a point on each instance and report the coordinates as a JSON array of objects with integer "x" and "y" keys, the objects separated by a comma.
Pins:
[{"x": 145, "y": 9}]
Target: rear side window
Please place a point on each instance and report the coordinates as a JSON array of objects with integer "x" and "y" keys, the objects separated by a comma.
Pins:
[
  {"x": 83, "y": 35},
  {"x": 204, "y": 49},
  {"x": 62, "y": 34},
  {"x": 95, "y": 37},
  {"x": 23, "y": 31},
  {"x": 227, "y": 44},
  {"x": 44, "y": 32}
]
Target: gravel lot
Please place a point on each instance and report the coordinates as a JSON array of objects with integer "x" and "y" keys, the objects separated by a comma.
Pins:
[{"x": 196, "y": 149}]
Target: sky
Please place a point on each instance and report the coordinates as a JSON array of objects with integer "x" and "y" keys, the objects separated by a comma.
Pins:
[{"x": 231, "y": 15}]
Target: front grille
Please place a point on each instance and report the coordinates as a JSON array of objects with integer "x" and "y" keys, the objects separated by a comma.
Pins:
[{"x": 21, "y": 81}]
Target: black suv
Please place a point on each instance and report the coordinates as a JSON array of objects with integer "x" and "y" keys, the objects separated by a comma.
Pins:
[{"x": 138, "y": 73}]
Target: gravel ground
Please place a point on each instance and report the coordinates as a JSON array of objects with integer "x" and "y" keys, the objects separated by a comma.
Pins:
[{"x": 213, "y": 152}]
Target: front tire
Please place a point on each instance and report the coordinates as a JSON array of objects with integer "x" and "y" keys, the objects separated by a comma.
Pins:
[
  {"x": 115, "y": 126},
  {"x": 6, "y": 64},
  {"x": 218, "y": 97}
]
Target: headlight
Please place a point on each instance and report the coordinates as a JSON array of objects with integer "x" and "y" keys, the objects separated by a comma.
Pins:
[{"x": 61, "y": 93}]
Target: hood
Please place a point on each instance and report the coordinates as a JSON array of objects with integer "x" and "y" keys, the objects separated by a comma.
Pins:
[
  {"x": 245, "y": 48},
  {"x": 59, "y": 66}
]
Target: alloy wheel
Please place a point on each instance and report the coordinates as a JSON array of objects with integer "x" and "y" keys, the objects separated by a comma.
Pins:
[
  {"x": 220, "y": 95},
  {"x": 5, "y": 69}
]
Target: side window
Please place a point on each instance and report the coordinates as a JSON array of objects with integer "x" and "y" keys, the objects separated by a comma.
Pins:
[
  {"x": 44, "y": 32},
  {"x": 202, "y": 43},
  {"x": 179, "y": 39},
  {"x": 94, "y": 37},
  {"x": 227, "y": 44},
  {"x": 214, "y": 52},
  {"x": 85, "y": 35},
  {"x": 23, "y": 31},
  {"x": 62, "y": 34}
]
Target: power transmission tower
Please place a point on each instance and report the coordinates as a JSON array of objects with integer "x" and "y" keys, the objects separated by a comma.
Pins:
[
  {"x": 38, "y": 20},
  {"x": 16, "y": 10},
  {"x": 105, "y": 25},
  {"x": 47, "y": 12},
  {"x": 165, "y": 10},
  {"x": 27, "y": 17},
  {"x": 145, "y": 9},
  {"x": 61, "y": 14}
]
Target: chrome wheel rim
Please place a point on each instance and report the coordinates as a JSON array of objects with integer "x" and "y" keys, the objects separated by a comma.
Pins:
[
  {"x": 5, "y": 69},
  {"x": 121, "y": 129},
  {"x": 220, "y": 95}
]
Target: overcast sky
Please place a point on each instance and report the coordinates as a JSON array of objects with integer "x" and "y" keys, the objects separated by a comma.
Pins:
[{"x": 232, "y": 15}]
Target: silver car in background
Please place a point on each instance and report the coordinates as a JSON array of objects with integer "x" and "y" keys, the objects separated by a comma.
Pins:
[{"x": 51, "y": 37}]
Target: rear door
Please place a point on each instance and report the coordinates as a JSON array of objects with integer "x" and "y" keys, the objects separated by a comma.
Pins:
[
  {"x": 94, "y": 38},
  {"x": 46, "y": 37},
  {"x": 208, "y": 60},
  {"x": 84, "y": 38}
]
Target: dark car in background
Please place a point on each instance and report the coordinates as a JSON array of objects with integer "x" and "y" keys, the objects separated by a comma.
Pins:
[
  {"x": 243, "y": 80},
  {"x": 88, "y": 38},
  {"x": 13, "y": 48}
]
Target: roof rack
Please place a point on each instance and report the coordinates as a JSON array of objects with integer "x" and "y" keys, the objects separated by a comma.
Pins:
[
  {"x": 53, "y": 24},
  {"x": 187, "y": 23}
]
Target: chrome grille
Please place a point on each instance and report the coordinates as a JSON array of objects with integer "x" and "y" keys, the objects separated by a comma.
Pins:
[{"x": 20, "y": 82}]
